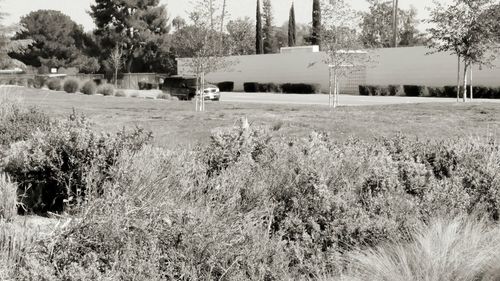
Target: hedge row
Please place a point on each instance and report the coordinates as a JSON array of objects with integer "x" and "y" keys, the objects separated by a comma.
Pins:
[
  {"x": 288, "y": 88},
  {"x": 479, "y": 92}
]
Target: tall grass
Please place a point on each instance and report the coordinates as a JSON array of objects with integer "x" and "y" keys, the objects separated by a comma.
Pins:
[
  {"x": 8, "y": 198},
  {"x": 461, "y": 249}
]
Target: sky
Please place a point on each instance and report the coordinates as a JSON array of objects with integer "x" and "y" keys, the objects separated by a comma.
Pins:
[{"x": 77, "y": 9}]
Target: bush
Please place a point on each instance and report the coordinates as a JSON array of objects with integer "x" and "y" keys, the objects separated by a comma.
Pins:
[
  {"x": 461, "y": 247},
  {"x": 414, "y": 90},
  {"x": 39, "y": 81},
  {"x": 395, "y": 90},
  {"x": 8, "y": 198},
  {"x": 71, "y": 86},
  {"x": 89, "y": 88},
  {"x": 226, "y": 86},
  {"x": 269, "y": 88},
  {"x": 52, "y": 167},
  {"x": 147, "y": 85},
  {"x": 120, "y": 93},
  {"x": 164, "y": 96},
  {"x": 106, "y": 90},
  {"x": 251, "y": 87},
  {"x": 450, "y": 91},
  {"x": 54, "y": 84},
  {"x": 363, "y": 90},
  {"x": 300, "y": 88},
  {"x": 436, "y": 92}
]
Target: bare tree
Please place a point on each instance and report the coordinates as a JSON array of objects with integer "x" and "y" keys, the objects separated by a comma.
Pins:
[{"x": 116, "y": 63}]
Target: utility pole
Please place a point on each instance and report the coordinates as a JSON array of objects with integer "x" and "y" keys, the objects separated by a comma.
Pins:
[{"x": 395, "y": 23}]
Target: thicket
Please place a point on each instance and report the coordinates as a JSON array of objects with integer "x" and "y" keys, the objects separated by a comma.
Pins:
[{"x": 480, "y": 92}]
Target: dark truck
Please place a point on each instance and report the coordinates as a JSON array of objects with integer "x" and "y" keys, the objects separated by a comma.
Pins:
[{"x": 184, "y": 88}]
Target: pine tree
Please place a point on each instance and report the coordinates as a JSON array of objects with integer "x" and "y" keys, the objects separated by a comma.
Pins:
[
  {"x": 259, "y": 44},
  {"x": 316, "y": 29},
  {"x": 292, "y": 35},
  {"x": 267, "y": 29}
]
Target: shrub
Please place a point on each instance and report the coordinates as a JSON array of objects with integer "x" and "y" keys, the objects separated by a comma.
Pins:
[
  {"x": 71, "y": 86},
  {"x": 251, "y": 87},
  {"x": 436, "y": 91},
  {"x": 8, "y": 198},
  {"x": 226, "y": 86},
  {"x": 22, "y": 82},
  {"x": 450, "y": 91},
  {"x": 461, "y": 249},
  {"x": 164, "y": 96},
  {"x": 363, "y": 90},
  {"x": 120, "y": 93},
  {"x": 147, "y": 85},
  {"x": 414, "y": 90},
  {"x": 39, "y": 81},
  {"x": 53, "y": 167},
  {"x": 106, "y": 90},
  {"x": 31, "y": 82},
  {"x": 89, "y": 88},
  {"x": 54, "y": 84},
  {"x": 300, "y": 88},
  {"x": 269, "y": 88},
  {"x": 395, "y": 90}
]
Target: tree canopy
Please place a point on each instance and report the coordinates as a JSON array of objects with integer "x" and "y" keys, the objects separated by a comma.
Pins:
[
  {"x": 139, "y": 27},
  {"x": 241, "y": 36},
  {"x": 57, "y": 42}
]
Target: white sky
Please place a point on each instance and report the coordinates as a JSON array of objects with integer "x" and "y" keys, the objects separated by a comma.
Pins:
[{"x": 77, "y": 9}]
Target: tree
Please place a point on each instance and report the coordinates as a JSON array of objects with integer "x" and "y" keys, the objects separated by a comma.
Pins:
[
  {"x": 316, "y": 26},
  {"x": 464, "y": 29},
  {"x": 259, "y": 44},
  {"x": 7, "y": 45},
  {"x": 292, "y": 34},
  {"x": 267, "y": 29},
  {"x": 57, "y": 42},
  {"x": 241, "y": 36},
  {"x": 341, "y": 44},
  {"x": 115, "y": 61},
  {"x": 178, "y": 23},
  {"x": 377, "y": 26},
  {"x": 133, "y": 25}
]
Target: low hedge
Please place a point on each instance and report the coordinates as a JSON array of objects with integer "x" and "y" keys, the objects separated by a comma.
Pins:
[
  {"x": 415, "y": 90},
  {"x": 300, "y": 88},
  {"x": 376, "y": 90},
  {"x": 480, "y": 92},
  {"x": 269, "y": 88},
  {"x": 251, "y": 87},
  {"x": 227, "y": 86}
]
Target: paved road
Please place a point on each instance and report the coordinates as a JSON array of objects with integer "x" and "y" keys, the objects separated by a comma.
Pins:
[{"x": 321, "y": 99}]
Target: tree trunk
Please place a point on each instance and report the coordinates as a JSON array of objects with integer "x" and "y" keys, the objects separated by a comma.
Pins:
[
  {"x": 223, "y": 16},
  {"x": 395, "y": 23},
  {"x": 129, "y": 64},
  {"x": 330, "y": 92},
  {"x": 465, "y": 80},
  {"x": 471, "y": 87},
  {"x": 116, "y": 77},
  {"x": 458, "y": 80}
]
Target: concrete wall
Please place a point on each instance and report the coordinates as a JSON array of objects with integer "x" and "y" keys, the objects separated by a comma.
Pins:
[{"x": 388, "y": 66}]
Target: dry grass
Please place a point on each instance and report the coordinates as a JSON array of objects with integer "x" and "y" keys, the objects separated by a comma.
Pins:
[
  {"x": 176, "y": 123},
  {"x": 462, "y": 249},
  {"x": 8, "y": 198}
]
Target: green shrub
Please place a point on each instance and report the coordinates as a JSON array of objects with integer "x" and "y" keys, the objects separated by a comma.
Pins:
[
  {"x": 251, "y": 87},
  {"x": 164, "y": 96},
  {"x": 300, "y": 88},
  {"x": 18, "y": 123},
  {"x": 89, "y": 88},
  {"x": 52, "y": 167},
  {"x": 54, "y": 84},
  {"x": 450, "y": 91},
  {"x": 363, "y": 90},
  {"x": 39, "y": 81},
  {"x": 147, "y": 85},
  {"x": 269, "y": 88},
  {"x": 226, "y": 86},
  {"x": 436, "y": 92},
  {"x": 395, "y": 90},
  {"x": 71, "y": 86},
  {"x": 414, "y": 90},
  {"x": 120, "y": 93},
  {"x": 106, "y": 90},
  {"x": 8, "y": 198},
  {"x": 480, "y": 92}
]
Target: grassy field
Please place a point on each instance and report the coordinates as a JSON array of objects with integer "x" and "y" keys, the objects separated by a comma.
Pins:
[{"x": 176, "y": 123}]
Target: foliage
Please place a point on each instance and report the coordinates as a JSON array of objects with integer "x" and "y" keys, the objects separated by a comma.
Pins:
[
  {"x": 316, "y": 25},
  {"x": 52, "y": 167},
  {"x": 106, "y": 90},
  {"x": 120, "y": 93},
  {"x": 268, "y": 28},
  {"x": 7, "y": 45},
  {"x": 18, "y": 123},
  {"x": 259, "y": 43},
  {"x": 414, "y": 90},
  {"x": 58, "y": 42},
  {"x": 227, "y": 86},
  {"x": 137, "y": 27},
  {"x": 71, "y": 86},
  {"x": 269, "y": 88},
  {"x": 463, "y": 249},
  {"x": 8, "y": 198},
  {"x": 241, "y": 37},
  {"x": 377, "y": 26},
  {"x": 292, "y": 34},
  {"x": 54, "y": 84},
  {"x": 251, "y": 87},
  {"x": 89, "y": 88},
  {"x": 300, "y": 88}
]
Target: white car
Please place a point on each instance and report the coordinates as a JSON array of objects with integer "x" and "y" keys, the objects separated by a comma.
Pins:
[{"x": 211, "y": 92}]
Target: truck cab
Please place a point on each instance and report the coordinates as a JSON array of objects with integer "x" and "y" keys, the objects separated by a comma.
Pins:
[{"x": 184, "y": 88}]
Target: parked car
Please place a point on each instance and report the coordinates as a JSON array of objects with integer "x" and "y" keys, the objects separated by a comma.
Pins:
[{"x": 211, "y": 92}]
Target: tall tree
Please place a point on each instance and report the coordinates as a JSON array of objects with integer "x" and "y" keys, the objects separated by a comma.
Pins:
[
  {"x": 377, "y": 26},
  {"x": 316, "y": 24},
  {"x": 267, "y": 29},
  {"x": 241, "y": 36},
  {"x": 465, "y": 29},
  {"x": 58, "y": 42},
  {"x": 292, "y": 34},
  {"x": 259, "y": 44},
  {"x": 8, "y": 45},
  {"x": 133, "y": 25}
]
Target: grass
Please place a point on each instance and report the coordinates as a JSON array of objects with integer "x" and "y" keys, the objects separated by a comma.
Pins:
[
  {"x": 176, "y": 123},
  {"x": 461, "y": 249},
  {"x": 8, "y": 198}
]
